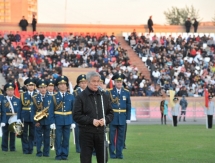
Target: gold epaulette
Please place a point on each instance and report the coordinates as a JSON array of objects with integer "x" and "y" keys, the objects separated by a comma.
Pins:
[
  {"x": 109, "y": 89},
  {"x": 126, "y": 89}
]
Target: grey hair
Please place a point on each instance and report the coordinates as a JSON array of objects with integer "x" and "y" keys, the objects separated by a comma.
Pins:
[{"x": 92, "y": 74}]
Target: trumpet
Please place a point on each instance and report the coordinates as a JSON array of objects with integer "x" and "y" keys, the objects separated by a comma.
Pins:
[{"x": 52, "y": 139}]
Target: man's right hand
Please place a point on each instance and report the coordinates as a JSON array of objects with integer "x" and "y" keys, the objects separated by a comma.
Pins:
[{"x": 96, "y": 122}]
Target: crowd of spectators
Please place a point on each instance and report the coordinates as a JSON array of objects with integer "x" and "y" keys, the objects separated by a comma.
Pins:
[
  {"x": 184, "y": 63},
  {"x": 41, "y": 55}
]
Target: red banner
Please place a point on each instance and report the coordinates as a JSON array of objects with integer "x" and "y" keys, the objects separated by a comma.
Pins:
[
  {"x": 16, "y": 91},
  {"x": 206, "y": 98}
]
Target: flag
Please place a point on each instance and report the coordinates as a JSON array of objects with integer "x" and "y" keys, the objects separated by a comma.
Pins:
[
  {"x": 16, "y": 91},
  {"x": 206, "y": 98},
  {"x": 171, "y": 97},
  {"x": 110, "y": 84}
]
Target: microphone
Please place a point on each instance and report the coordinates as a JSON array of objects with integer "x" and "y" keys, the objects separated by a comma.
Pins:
[{"x": 100, "y": 89}]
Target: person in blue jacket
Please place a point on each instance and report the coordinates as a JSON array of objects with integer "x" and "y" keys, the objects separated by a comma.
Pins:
[
  {"x": 10, "y": 107},
  {"x": 26, "y": 116},
  {"x": 1, "y": 101},
  {"x": 42, "y": 101},
  {"x": 164, "y": 109},
  {"x": 61, "y": 117},
  {"x": 121, "y": 104}
]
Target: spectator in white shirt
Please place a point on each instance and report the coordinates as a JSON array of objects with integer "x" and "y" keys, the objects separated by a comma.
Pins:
[
  {"x": 11, "y": 55},
  {"x": 155, "y": 74}
]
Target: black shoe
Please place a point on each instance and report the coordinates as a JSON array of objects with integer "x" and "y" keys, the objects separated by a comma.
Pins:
[{"x": 64, "y": 158}]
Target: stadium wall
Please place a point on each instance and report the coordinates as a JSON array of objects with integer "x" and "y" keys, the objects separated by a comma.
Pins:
[{"x": 93, "y": 28}]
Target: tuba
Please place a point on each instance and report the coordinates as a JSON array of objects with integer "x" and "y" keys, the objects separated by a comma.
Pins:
[
  {"x": 41, "y": 114},
  {"x": 15, "y": 127}
]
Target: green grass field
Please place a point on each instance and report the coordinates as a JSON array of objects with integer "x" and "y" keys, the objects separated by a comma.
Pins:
[{"x": 145, "y": 144}]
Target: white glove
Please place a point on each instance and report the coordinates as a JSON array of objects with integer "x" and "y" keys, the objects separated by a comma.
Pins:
[
  {"x": 128, "y": 121},
  {"x": 2, "y": 124},
  {"x": 73, "y": 126},
  {"x": 18, "y": 121},
  {"x": 53, "y": 126}
]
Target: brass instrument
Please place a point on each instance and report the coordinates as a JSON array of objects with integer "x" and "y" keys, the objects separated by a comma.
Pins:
[
  {"x": 41, "y": 114},
  {"x": 52, "y": 139},
  {"x": 17, "y": 128}
]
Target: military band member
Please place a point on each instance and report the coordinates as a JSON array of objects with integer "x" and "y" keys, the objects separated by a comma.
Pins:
[
  {"x": 210, "y": 112},
  {"x": 10, "y": 106},
  {"x": 50, "y": 87},
  {"x": 102, "y": 84},
  {"x": 1, "y": 101},
  {"x": 175, "y": 111},
  {"x": 42, "y": 101},
  {"x": 26, "y": 115},
  {"x": 61, "y": 117},
  {"x": 81, "y": 85},
  {"x": 163, "y": 109},
  {"x": 121, "y": 105}
]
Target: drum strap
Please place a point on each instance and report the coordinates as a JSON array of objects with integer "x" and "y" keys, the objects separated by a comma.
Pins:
[{"x": 11, "y": 106}]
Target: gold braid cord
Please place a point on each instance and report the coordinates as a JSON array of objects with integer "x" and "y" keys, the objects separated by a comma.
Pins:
[
  {"x": 113, "y": 100},
  {"x": 7, "y": 104},
  {"x": 40, "y": 106},
  {"x": 60, "y": 105},
  {"x": 25, "y": 103}
]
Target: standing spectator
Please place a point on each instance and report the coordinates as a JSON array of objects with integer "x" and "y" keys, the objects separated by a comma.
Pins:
[
  {"x": 188, "y": 25},
  {"x": 210, "y": 112},
  {"x": 23, "y": 24},
  {"x": 34, "y": 23},
  {"x": 164, "y": 109},
  {"x": 183, "y": 103},
  {"x": 156, "y": 76},
  {"x": 195, "y": 25},
  {"x": 175, "y": 111},
  {"x": 150, "y": 24}
]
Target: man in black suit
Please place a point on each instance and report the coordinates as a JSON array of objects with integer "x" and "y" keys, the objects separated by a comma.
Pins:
[
  {"x": 150, "y": 24},
  {"x": 188, "y": 25},
  {"x": 34, "y": 23},
  {"x": 23, "y": 24}
]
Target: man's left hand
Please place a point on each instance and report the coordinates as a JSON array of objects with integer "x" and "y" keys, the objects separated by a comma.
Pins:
[{"x": 101, "y": 122}]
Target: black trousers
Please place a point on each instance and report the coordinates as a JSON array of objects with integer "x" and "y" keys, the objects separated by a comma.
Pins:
[
  {"x": 34, "y": 27},
  {"x": 195, "y": 29},
  {"x": 151, "y": 29},
  {"x": 175, "y": 121},
  {"x": 88, "y": 141},
  {"x": 163, "y": 116},
  {"x": 188, "y": 29},
  {"x": 210, "y": 121},
  {"x": 24, "y": 28}
]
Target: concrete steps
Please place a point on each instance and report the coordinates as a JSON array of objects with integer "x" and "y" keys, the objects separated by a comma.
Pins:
[{"x": 134, "y": 58}]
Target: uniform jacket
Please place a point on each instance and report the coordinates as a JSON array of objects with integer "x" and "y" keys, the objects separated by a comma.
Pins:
[
  {"x": 211, "y": 108},
  {"x": 124, "y": 103},
  {"x": 175, "y": 109},
  {"x": 6, "y": 108},
  {"x": 66, "y": 107},
  {"x": 46, "y": 103},
  {"x": 27, "y": 102},
  {"x": 88, "y": 106},
  {"x": 1, "y": 101}
]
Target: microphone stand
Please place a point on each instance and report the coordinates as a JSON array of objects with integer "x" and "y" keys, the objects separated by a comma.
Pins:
[{"x": 106, "y": 142}]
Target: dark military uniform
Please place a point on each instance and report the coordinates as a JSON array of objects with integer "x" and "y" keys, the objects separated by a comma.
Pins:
[
  {"x": 121, "y": 105},
  {"x": 61, "y": 117},
  {"x": 75, "y": 93},
  {"x": 10, "y": 107},
  {"x": 43, "y": 130},
  {"x": 27, "y": 116}
]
